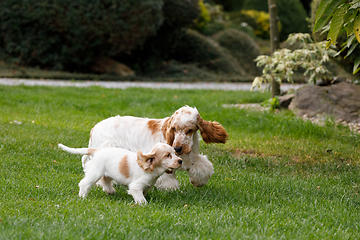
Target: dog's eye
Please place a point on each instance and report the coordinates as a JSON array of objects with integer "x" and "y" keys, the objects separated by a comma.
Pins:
[
  {"x": 174, "y": 129},
  {"x": 168, "y": 156},
  {"x": 189, "y": 131}
]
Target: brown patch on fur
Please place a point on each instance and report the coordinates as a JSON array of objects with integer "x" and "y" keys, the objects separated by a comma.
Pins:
[
  {"x": 91, "y": 151},
  {"x": 168, "y": 131},
  {"x": 154, "y": 126},
  {"x": 186, "y": 111},
  {"x": 124, "y": 167},
  {"x": 212, "y": 132}
]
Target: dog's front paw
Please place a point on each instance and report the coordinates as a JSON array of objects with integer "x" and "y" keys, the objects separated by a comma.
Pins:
[{"x": 141, "y": 201}]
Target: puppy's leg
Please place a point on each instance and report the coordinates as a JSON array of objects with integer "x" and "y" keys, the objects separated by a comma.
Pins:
[
  {"x": 92, "y": 174},
  {"x": 138, "y": 196},
  {"x": 136, "y": 191},
  {"x": 167, "y": 182},
  {"x": 106, "y": 184}
]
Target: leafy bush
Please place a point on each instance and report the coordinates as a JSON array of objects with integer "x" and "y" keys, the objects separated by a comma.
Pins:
[
  {"x": 282, "y": 64},
  {"x": 292, "y": 15},
  {"x": 204, "y": 18},
  {"x": 220, "y": 20},
  {"x": 242, "y": 47},
  {"x": 259, "y": 21},
  {"x": 66, "y": 34},
  {"x": 341, "y": 20}
]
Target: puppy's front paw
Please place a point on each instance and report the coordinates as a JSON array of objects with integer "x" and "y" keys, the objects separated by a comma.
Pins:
[{"x": 82, "y": 194}]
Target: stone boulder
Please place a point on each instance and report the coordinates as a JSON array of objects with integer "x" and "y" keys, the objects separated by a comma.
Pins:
[{"x": 340, "y": 101}]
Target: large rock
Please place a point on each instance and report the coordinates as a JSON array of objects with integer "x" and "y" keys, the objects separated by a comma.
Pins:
[{"x": 341, "y": 101}]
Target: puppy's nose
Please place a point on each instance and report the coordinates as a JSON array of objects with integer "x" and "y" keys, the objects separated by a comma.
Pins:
[
  {"x": 178, "y": 149},
  {"x": 180, "y": 161}
]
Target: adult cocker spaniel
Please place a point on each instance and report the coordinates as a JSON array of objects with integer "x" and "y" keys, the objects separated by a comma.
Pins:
[{"x": 179, "y": 131}]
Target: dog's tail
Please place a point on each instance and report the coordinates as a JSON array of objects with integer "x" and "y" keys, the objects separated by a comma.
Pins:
[{"x": 82, "y": 151}]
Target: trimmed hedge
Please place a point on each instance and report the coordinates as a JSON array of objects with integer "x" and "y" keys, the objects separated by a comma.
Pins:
[
  {"x": 71, "y": 35},
  {"x": 206, "y": 53},
  {"x": 157, "y": 48},
  {"x": 242, "y": 47}
]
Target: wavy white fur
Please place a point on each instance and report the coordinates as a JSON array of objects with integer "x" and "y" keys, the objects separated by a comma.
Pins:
[{"x": 179, "y": 131}]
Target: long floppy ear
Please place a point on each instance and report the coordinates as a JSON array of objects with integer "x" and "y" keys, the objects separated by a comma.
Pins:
[
  {"x": 146, "y": 161},
  {"x": 168, "y": 131},
  {"x": 212, "y": 132}
]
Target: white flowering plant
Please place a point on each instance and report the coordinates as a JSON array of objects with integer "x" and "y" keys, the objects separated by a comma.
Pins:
[{"x": 283, "y": 62}]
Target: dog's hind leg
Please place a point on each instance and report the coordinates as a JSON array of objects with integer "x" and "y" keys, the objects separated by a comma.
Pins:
[{"x": 88, "y": 181}]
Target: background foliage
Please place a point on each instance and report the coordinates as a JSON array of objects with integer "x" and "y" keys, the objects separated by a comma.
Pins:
[
  {"x": 65, "y": 34},
  {"x": 147, "y": 36},
  {"x": 340, "y": 19},
  {"x": 292, "y": 15}
]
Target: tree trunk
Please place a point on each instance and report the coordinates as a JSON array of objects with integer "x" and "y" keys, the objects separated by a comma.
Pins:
[{"x": 274, "y": 41}]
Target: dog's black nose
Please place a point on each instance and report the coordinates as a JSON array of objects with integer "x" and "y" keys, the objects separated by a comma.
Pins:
[
  {"x": 180, "y": 161},
  {"x": 178, "y": 149}
]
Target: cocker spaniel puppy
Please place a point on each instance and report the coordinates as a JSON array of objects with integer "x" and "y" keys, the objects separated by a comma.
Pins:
[
  {"x": 179, "y": 131},
  {"x": 137, "y": 171}
]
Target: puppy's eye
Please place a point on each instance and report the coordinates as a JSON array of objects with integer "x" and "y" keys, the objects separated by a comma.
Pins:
[
  {"x": 174, "y": 129},
  {"x": 168, "y": 156},
  {"x": 189, "y": 131}
]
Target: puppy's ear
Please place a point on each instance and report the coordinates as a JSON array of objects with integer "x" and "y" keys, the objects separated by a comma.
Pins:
[
  {"x": 212, "y": 132},
  {"x": 146, "y": 161},
  {"x": 168, "y": 131}
]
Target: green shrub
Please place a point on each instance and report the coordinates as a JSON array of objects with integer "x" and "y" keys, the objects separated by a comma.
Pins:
[
  {"x": 262, "y": 22},
  {"x": 206, "y": 53},
  {"x": 292, "y": 15},
  {"x": 242, "y": 47},
  {"x": 156, "y": 49},
  {"x": 283, "y": 63},
  {"x": 204, "y": 18},
  {"x": 180, "y": 13},
  {"x": 70, "y": 35}
]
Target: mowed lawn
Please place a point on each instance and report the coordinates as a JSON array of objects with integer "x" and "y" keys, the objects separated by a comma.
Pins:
[{"x": 276, "y": 178}]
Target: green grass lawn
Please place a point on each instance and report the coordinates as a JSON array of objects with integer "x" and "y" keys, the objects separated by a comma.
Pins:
[{"x": 277, "y": 177}]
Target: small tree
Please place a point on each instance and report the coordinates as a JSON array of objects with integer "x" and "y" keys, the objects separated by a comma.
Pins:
[{"x": 282, "y": 64}]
